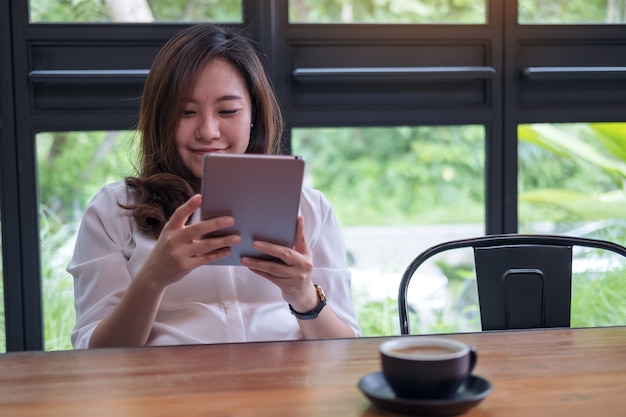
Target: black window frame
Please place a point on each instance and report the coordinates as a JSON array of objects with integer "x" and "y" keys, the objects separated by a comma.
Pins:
[{"x": 498, "y": 71}]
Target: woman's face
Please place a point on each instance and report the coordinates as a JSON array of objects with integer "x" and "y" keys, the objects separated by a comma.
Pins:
[{"x": 216, "y": 116}]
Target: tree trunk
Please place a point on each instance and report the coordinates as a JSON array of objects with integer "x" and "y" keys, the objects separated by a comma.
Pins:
[
  {"x": 614, "y": 11},
  {"x": 347, "y": 12},
  {"x": 301, "y": 10},
  {"x": 130, "y": 11}
]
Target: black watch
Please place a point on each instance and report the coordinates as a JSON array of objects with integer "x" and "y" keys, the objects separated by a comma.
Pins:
[{"x": 310, "y": 315}]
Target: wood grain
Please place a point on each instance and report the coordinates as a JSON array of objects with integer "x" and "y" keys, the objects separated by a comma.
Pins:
[{"x": 561, "y": 372}]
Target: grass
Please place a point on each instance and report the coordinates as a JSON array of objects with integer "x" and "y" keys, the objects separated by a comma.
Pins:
[
  {"x": 598, "y": 300},
  {"x": 57, "y": 286}
]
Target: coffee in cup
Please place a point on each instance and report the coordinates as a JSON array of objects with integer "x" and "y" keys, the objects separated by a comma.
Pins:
[{"x": 426, "y": 367}]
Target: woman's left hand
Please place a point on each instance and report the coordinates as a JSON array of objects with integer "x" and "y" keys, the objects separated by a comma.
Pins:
[{"x": 293, "y": 277}]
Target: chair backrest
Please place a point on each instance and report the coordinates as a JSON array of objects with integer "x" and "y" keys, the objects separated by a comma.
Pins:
[
  {"x": 524, "y": 281},
  {"x": 524, "y": 286}
]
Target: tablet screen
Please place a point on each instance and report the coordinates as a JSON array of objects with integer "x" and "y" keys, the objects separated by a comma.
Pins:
[{"x": 261, "y": 192}]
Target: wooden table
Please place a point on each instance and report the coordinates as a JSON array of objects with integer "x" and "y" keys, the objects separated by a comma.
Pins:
[{"x": 534, "y": 373}]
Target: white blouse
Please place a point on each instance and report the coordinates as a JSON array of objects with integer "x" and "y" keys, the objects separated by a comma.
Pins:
[{"x": 212, "y": 304}]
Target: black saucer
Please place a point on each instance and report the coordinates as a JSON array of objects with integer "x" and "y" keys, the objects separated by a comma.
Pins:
[{"x": 375, "y": 387}]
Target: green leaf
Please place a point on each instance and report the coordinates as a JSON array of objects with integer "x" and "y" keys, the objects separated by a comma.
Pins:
[
  {"x": 565, "y": 144},
  {"x": 595, "y": 206},
  {"x": 613, "y": 137}
]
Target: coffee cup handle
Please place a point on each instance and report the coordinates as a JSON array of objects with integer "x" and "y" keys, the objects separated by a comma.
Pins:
[{"x": 473, "y": 358}]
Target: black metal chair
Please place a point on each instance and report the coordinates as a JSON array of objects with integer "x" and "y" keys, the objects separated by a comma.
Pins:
[{"x": 524, "y": 281}]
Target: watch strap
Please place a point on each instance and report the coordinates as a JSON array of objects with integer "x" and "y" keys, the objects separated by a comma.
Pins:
[{"x": 310, "y": 315}]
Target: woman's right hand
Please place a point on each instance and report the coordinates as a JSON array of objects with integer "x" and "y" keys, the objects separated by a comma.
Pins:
[{"x": 180, "y": 248}]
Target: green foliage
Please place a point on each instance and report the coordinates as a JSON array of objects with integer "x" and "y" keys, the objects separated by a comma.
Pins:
[
  {"x": 612, "y": 137},
  {"x": 68, "y": 11},
  {"x": 197, "y": 10},
  {"x": 461, "y": 313},
  {"x": 449, "y": 11},
  {"x": 563, "y": 11},
  {"x": 571, "y": 173},
  {"x": 73, "y": 166},
  {"x": 384, "y": 176},
  {"x": 600, "y": 147},
  {"x": 377, "y": 317},
  {"x": 599, "y": 299},
  {"x": 337, "y": 11},
  {"x": 163, "y": 10},
  {"x": 58, "y": 288},
  {"x": 387, "y": 11},
  {"x": 371, "y": 175}
]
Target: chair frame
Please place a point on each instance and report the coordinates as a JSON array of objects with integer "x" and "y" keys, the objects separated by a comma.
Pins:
[{"x": 486, "y": 241}]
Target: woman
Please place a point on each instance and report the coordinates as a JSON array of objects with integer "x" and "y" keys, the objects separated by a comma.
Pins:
[{"x": 139, "y": 264}]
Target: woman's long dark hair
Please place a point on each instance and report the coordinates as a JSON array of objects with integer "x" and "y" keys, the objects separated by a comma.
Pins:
[{"x": 164, "y": 182}]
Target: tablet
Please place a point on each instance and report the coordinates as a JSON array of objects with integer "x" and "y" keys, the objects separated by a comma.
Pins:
[{"x": 261, "y": 192}]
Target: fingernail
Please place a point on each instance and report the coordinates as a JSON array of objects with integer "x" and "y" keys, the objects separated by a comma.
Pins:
[{"x": 227, "y": 221}]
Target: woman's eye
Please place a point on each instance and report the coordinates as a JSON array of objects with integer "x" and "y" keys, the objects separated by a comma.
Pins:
[
  {"x": 229, "y": 112},
  {"x": 188, "y": 112}
]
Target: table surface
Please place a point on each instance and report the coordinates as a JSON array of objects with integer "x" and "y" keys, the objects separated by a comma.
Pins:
[{"x": 557, "y": 372}]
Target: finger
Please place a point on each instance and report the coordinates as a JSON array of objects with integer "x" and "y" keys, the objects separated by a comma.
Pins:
[
  {"x": 182, "y": 213},
  {"x": 300, "y": 244},
  {"x": 270, "y": 268},
  {"x": 203, "y": 227},
  {"x": 281, "y": 252},
  {"x": 212, "y": 256},
  {"x": 204, "y": 246},
  {"x": 269, "y": 277}
]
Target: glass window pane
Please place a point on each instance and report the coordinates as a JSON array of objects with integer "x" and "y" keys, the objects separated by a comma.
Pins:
[
  {"x": 572, "y": 181},
  {"x": 397, "y": 191},
  {"x": 72, "y": 168},
  {"x": 388, "y": 11},
  {"x": 136, "y": 11},
  {"x": 571, "y": 12}
]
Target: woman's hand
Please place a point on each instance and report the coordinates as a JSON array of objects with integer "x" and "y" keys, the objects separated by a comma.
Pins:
[
  {"x": 181, "y": 248},
  {"x": 293, "y": 277}
]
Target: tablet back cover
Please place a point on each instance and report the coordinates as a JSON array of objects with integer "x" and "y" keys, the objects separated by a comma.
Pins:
[{"x": 262, "y": 193}]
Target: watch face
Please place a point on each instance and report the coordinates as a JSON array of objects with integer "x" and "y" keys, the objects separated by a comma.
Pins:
[{"x": 320, "y": 292}]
